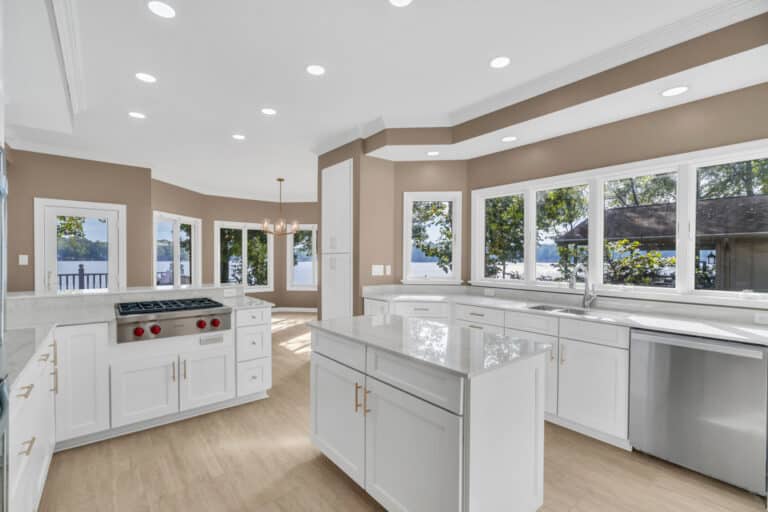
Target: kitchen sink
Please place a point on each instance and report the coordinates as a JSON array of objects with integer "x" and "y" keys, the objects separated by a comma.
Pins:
[{"x": 545, "y": 307}]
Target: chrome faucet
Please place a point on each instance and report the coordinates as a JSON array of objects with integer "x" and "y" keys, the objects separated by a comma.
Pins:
[{"x": 590, "y": 295}]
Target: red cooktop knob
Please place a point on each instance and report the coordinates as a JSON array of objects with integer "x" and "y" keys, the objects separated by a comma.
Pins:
[
  {"x": 138, "y": 332},
  {"x": 215, "y": 322},
  {"x": 155, "y": 329},
  {"x": 201, "y": 324}
]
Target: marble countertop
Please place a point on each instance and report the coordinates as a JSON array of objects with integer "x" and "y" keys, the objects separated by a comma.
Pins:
[
  {"x": 466, "y": 352},
  {"x": 20, "y": 345},
  {"x": 245, "y": 302},
  {"x": 732, "y": 331}
]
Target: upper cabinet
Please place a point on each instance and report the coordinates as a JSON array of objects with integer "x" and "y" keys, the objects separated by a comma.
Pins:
[{"x": 336, "y": 229}]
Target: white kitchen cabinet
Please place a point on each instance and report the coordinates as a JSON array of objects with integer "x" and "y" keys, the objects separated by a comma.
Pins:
[
  {"x": 206, "y": 377},
  {"x": 490, "y": 329},
  {"x": 254, "y": 376},
  {"x": 337, "y": 415},
  {"x": 82, "y": 402},
  {"x": 550, "y": 402},
  {"x": 144, "y": 388},
  {"x": 336, "y": 205},
  {"x": 412, "y": 452},
  {"x": 594, "y": 386},
  {"x": 375, "y": 307},
  {"x": 438, "y": 310},
  {"x": 336, "y": 287},
  {"x": 254, "y": 342}
]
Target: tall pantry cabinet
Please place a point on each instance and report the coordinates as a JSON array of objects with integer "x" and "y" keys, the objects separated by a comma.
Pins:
[{"x": 336, "y": 240}]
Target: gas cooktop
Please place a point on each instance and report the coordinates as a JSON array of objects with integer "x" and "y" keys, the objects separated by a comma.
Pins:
[
  {"x": 153, "y": 319},
  {"x": 165, "y": 306}
]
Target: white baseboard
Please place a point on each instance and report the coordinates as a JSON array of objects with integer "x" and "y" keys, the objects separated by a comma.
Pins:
[
  {"x": 294, "y": 310},
  {"x": 600, "y": 436}
]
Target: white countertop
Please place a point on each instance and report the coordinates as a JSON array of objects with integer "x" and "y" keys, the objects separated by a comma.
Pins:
[
  {"x": 463, "y": 351},
  {"x": 692, "y": 326},
  {"x": 21, "y": 345}
]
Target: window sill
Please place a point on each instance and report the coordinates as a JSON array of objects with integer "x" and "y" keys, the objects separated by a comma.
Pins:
[
  {"x": 434, "y": 282},
  {"x": 259, "y": 289}
]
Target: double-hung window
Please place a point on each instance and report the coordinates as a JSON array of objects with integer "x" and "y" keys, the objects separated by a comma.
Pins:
[
  {"x": 176, "y": 250},
  {"x": 301, "y": 259},
  {"x": 432, "y": 237},
  {"x": 243, "y": 254}
]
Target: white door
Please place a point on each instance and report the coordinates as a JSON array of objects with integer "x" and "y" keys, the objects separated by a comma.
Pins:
[
  {"x": 336, "y": 230},
  {"x": 207, "y": 377},
  {"x": 413, "y": 452},
  {"x": 550, "y": 403},
  {"x": 336, "y": 286},
  {"x": 143, "y": 389},
  {"x": 337, "y": 417},
  {"x": 82, "y": 401},
  {"x": 594, "y": 386}
]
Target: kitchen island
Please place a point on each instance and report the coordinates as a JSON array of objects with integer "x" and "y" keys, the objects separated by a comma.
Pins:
[{"x": 428, "y": 416}]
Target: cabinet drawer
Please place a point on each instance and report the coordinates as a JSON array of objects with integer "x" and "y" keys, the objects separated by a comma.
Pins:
[
  {"x": 421, "y": 309},
  {"x": 475, "y": 314},
  {"x": 254, "y": 376},
  {"x": 375, "y": 307},
  {"x": 252, "y": 316},
  {"x": 438, "y": 387},
  {"x": 491, "y": 329},
  {"x": 531, "y": 322},
  {"x": 254, "y": 342},
  {"x": 602, "y": 334},
  {"x": 350, "y": 353}
]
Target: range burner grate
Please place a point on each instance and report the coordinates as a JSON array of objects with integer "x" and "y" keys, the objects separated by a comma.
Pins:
[{"x": 163, "y": 306}]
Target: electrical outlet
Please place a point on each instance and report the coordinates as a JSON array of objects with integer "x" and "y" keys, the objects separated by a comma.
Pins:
[
  {"x": 23, "y": 260},
  {"x": 489, "y": 292}
]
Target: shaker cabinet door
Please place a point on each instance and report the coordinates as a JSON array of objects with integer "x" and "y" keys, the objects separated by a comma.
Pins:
[
  {"x": 144, "y": 389},
  {"x": 206, "y": 377}
]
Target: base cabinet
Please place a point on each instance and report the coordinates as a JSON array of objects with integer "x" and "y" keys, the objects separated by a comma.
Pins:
[
  {"x": 207, "y": 377},
  {"x": 144, "y": 389},
  {"x": 550, "y": 403}
]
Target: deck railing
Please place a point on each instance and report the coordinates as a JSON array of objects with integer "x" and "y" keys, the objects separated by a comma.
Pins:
[{"x": 83, "y": 280}]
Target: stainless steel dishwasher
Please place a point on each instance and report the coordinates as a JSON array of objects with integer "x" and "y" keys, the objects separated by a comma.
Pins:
[{"x": 701, "y": 404}]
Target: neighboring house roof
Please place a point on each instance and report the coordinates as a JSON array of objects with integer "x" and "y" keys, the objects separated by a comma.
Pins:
[{"x": 729, "y": 216}]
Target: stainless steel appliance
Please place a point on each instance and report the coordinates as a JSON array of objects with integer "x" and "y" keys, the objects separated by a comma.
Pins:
[
  {"x": 701, "y": 404},
  {"x": 3, "y": 371},
  {"x": 148, "y": 320}
]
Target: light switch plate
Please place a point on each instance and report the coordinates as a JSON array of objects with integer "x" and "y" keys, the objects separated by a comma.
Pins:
[
  {"x": 377, "y": 270},
  {"x": 23, "y": 260},
  {"x": 389, "y": 270}
]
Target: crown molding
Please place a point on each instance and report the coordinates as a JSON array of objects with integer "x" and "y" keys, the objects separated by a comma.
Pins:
[{"x": 67, "y": 32}]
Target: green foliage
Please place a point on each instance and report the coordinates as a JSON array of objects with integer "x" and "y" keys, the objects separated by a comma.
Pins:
[
  {"x": 559, "y": 211},
  {"x": 258, "y": 264},
  {"x": 747, "y": 178},
  {"x": 70, "y": 227},
  {"x": 231, "y": 246},
  {"x": 626, "y": 263},
  {"x": 185, "y": 242},
  {"x": 431, "y": 214},
  {"x": 302, "y": 246},
  {"x": 72, "y": 245},
  {"x": 641, "y": 191},
  {"x": 504, "y": 234}
]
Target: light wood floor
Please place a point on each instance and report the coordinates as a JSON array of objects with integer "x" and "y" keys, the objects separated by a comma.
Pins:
[{"x": 258, "y": 457}]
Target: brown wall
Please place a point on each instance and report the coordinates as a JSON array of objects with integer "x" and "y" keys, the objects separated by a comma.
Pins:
[{"x": 378, "y": 233}]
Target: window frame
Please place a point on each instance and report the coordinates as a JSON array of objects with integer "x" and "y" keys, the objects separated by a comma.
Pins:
[
  {"x": 197, "y": 267},
  {"x": 456, "y": 246},
  {"x": 289, "y": 286},
  {"x": 684, "y": 166},
  {"x": 245, "y": 227},
  {"x": 117, "y": 268}
]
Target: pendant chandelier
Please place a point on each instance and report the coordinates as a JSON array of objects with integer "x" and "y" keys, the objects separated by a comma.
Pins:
[{"x": 281, "y": 226}]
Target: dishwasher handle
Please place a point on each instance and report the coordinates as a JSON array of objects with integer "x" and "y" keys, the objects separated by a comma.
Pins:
[{"x": 722, "y": 347}]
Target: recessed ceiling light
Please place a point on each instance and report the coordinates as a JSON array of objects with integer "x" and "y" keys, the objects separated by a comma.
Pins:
[
  {"x": 238, "y": 136},
  {"x": 433, "y": 153},
  {"x": 500, "y": 62},
  {"x": 146, "y": 77},
  {"x": 316, "y": 70},
  {"x": 400, "y": 3},
  {"x": 675, "y": 91},
  {"x": 269, "y": 111},
  {"x": 161, "y": 9},
  {"x": 137, "y": 115},
  {"x": 509, "y": 138}
]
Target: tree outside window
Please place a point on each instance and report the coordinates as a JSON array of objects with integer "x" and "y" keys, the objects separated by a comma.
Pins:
[
  {"x": 562, "y": 233},
  {"x": 504, "y": 237}
]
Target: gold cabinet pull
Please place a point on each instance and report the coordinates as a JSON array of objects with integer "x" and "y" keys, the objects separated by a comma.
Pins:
[
  {"x": 44, "y": 357},
  {"x": 55, "y": 374},
  {"x": 185, "y": 369},
  {"x": 54, "y": 345},
  {"x": 27, "y": 391},
  {"x": 366, "y": 410},
  {"x": 29, "y": 445},
  {"x": 562, "y": 354},
  {"x": 358, "y": 387},
  {"x": 173, "y": 371}
]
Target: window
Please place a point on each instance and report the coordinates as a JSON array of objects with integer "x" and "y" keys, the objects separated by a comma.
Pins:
[
  {"x": 177, "y": 250},
  {"x": 243, "y": 254},
  {"x": 504, "y": 237},
  {"x": 79, "y": 245},
  {"x": 301, "y": 260},
  {"x": 640, "y": 231},
  {"x": 432, "y": 237},
  {"x": 732, "y": 226},
  {"x": 562, "y": 233}
]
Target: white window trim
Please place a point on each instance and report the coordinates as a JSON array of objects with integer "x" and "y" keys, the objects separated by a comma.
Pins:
[
  {"x": 684, "y": 165},
  {"x": 408, "y": 200},
  {"x": 41, "y": 204},
  {"x": 197, "y": 267},
  {"x": 244, "y": 226},
  {"x": 289, "y": 286}
]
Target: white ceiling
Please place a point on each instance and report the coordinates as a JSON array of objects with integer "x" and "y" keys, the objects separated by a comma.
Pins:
[{"x": 218, "y": 63}]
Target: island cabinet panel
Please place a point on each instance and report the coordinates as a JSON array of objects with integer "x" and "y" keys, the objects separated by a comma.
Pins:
[
  {"x": 413, "y": 452},
  {"x": 550, "y": 402},
  {"x": 477, "y": 326},
  {"x": 337, "y": 415},
  {"x": 144, "y": 389},
  {"x": 475, "y": 314},
  {"x": 375, "y": 307},
  {"x": 348, "y": 352},
  {"x": 594, "y": 386}
]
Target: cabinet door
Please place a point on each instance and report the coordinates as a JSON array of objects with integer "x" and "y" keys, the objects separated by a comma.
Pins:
[
  {"x": 413, "y": 452},
  {"x": 594, "y": 385},
  {"x": 337, "y": 417},
  {"x": 336, "y": 230},
  {"x": 336, "y": 289},
  {"x": 82, "y": 401},
  {"x": 375, "y": 307},
  {"x": 206, "y": 377},
  {"x": 144, "y": 389},
  {"x": 550, "y": 404}
]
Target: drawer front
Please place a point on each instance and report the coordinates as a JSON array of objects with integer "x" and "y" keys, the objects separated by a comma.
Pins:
[
  {"x": 542, "y": 324},
  {"x": 477, "y": 314},
  {"x": 593, "y": 332},
  {"x": 341, "y": 350},
  {"x": 254, "y": 342},
  {"x": 375, "y": 307},
  {"x": 438, "y": 387},
  {"x": 252, "y": 316},
  {"x": 421, "y": 309},
  {"x": 254, "y": 376},
  {"x": 491, "y": 329}
]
